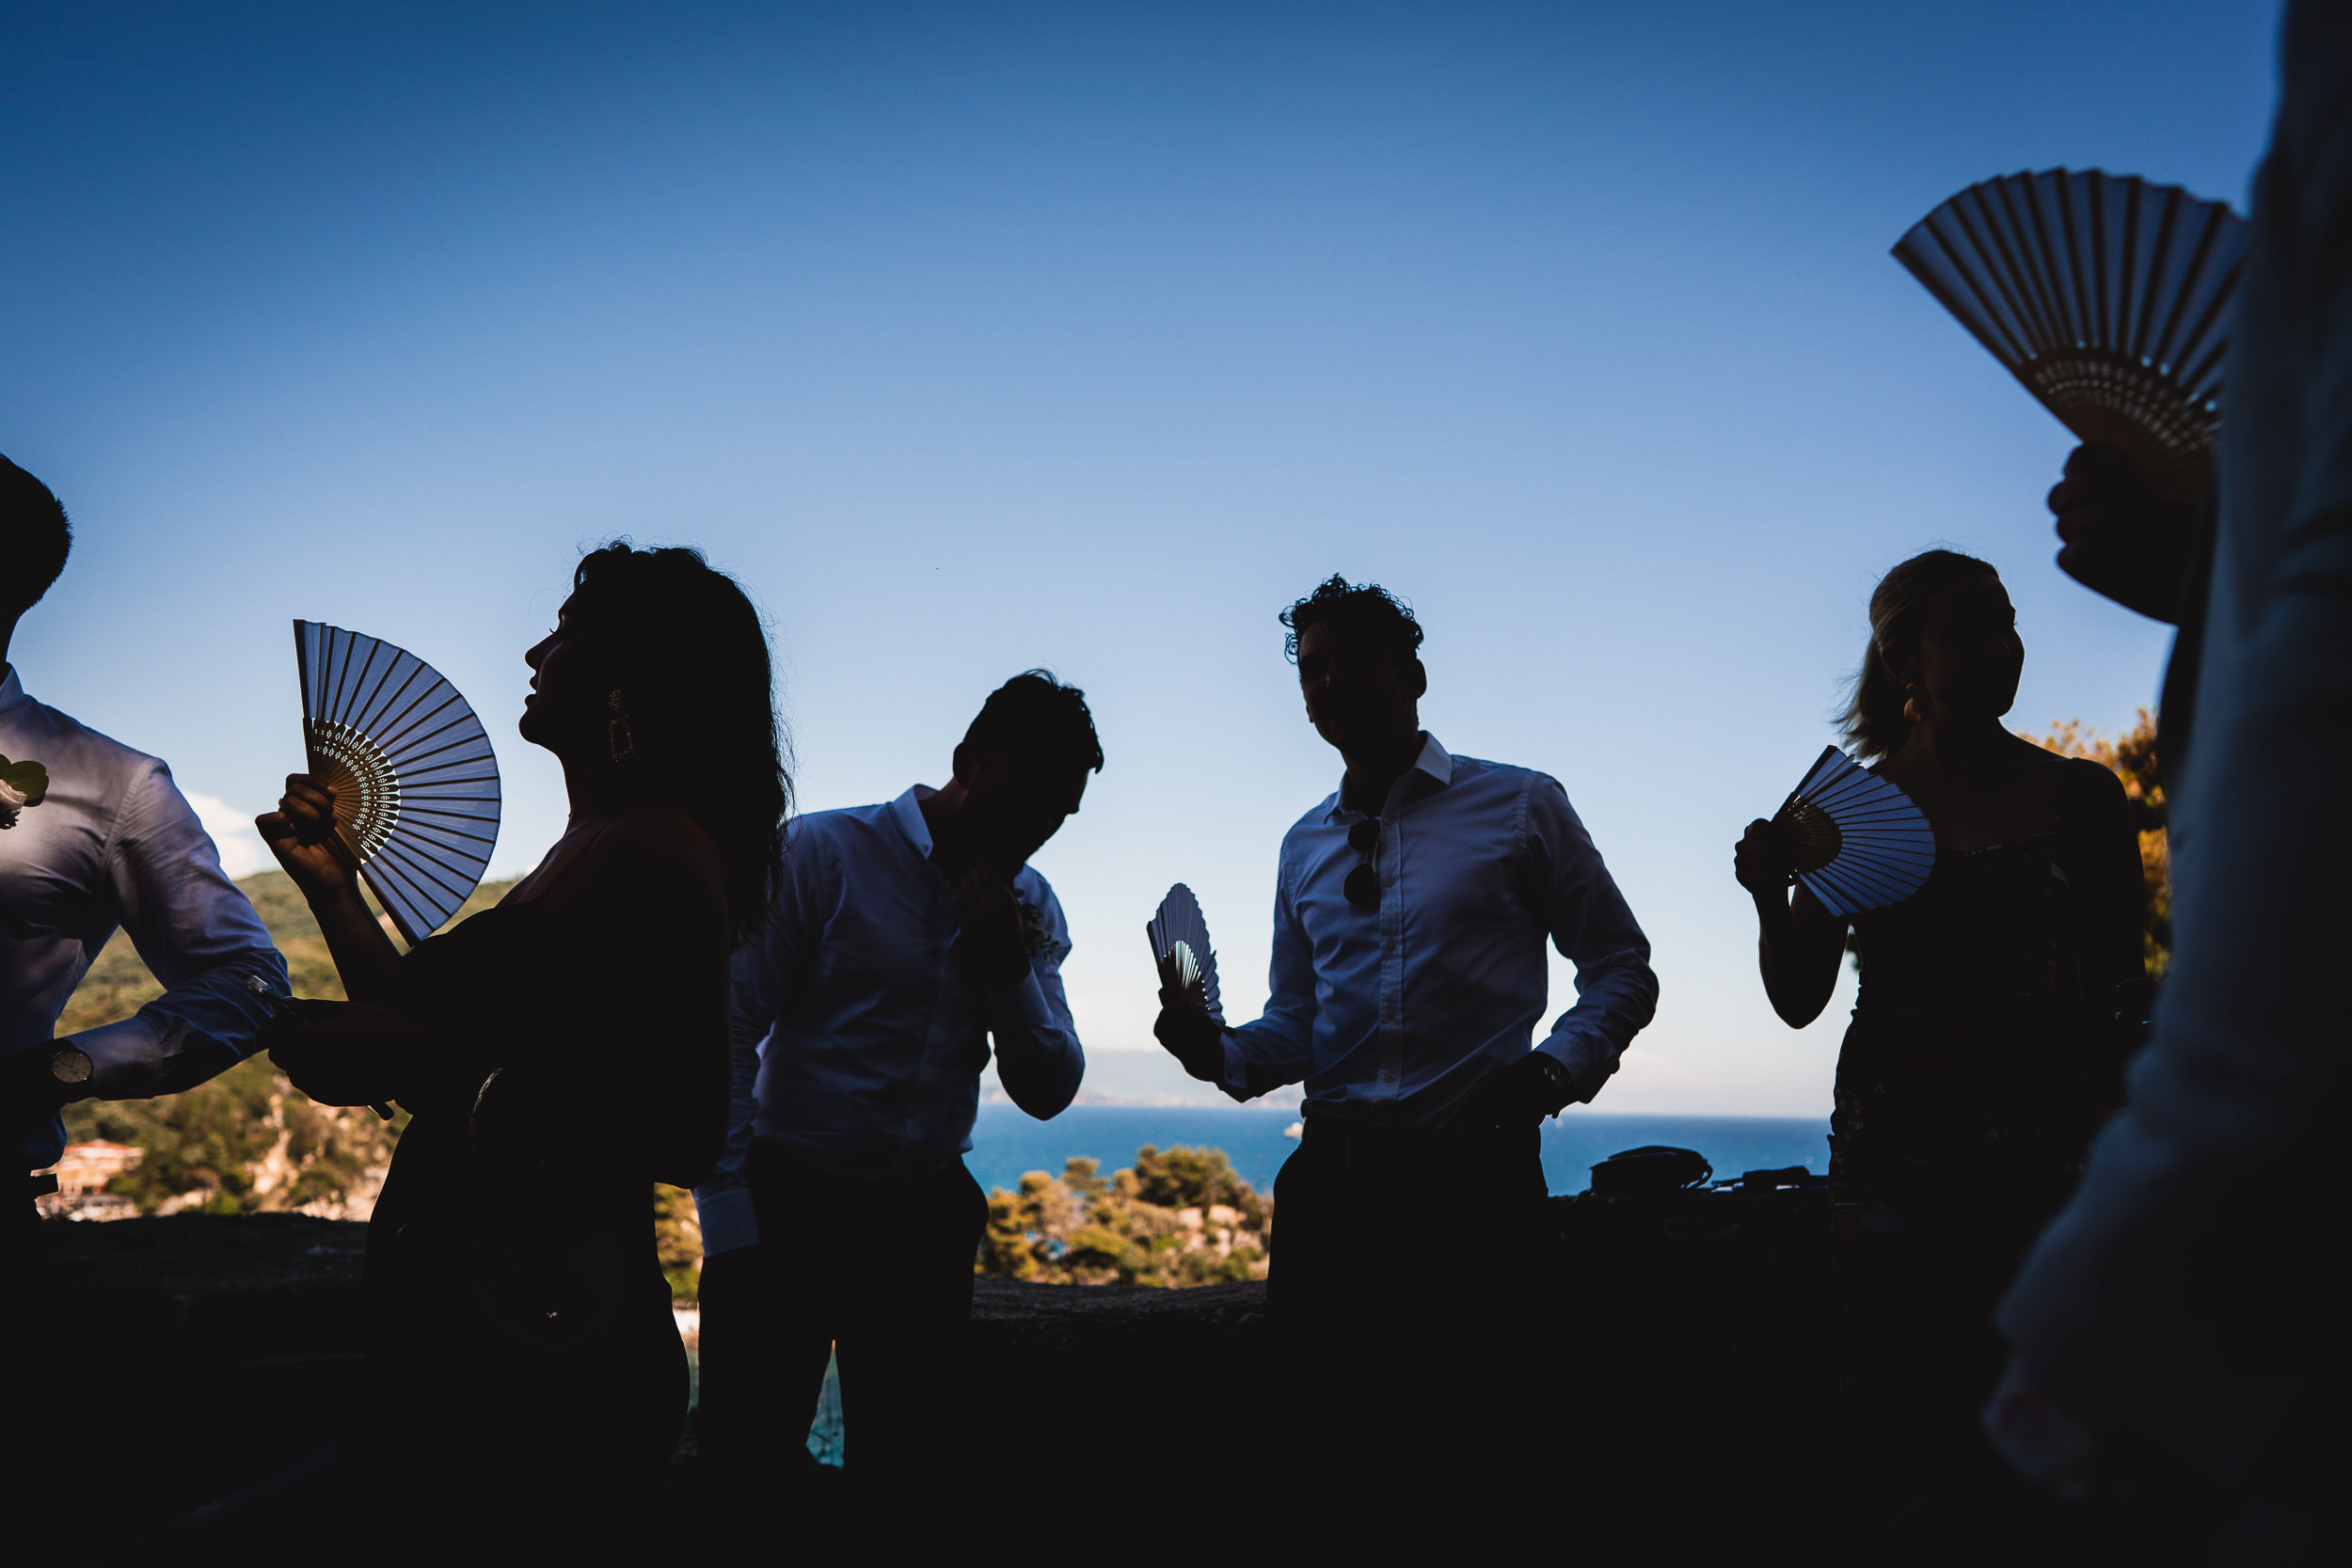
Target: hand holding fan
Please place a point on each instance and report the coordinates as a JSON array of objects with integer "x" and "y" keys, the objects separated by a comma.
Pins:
[
  {"x": 1859, "y": 843},
  {"x": 1180, "y": 945},
  {"x": 2110, "y": 298},
  {"x": 416, "y": 784}
]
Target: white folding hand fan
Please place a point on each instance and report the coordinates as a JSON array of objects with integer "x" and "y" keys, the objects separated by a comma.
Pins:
[
  {"x": 2110, "y": 298},
  {"x": 1861, "y": 844},
  {"x": 416, "y": 784},
  {"x": 1181, "y": 937}
]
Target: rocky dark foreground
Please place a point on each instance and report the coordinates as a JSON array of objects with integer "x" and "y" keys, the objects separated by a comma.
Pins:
[{"x": 1690, "y": 1368}]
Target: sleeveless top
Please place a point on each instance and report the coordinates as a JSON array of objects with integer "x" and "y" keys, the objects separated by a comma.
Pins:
[
  {"x": 514, "y": 1214},
  {"x": 1982, "y": 1048}
]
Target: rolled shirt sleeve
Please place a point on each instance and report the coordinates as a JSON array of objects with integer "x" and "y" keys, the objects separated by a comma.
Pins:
[
  {"x": 1279, "y": 1047},
  {"x": 199, "y": 935},
  {"x": 1617, "y": 992},
  {"x": 870, "y": 1032},
  {"x": 1039, "y": 1059},
  {"x": 1392, "y": 1009}
]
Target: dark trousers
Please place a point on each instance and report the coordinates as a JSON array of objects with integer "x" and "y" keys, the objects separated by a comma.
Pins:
[
  {"x": 1921, "y": 1273},
  {"x": 1408, "y": 1287},
  {"x": 875, "y": 1274}
]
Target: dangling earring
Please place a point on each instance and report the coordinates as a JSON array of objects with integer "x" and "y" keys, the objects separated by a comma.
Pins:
[
  {"x": 1914, "y": 709},
  {"x": 617, "y": 733}
]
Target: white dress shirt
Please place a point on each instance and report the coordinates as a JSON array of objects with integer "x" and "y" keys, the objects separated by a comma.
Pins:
[
  {"x": 115, "y": 843},
  {"x": 1392, "y": 1016},
  {"x": 858, "y": 1040},
  {"x": 2187, "y": 1295}
]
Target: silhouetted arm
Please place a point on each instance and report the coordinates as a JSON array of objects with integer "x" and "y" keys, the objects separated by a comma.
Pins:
[
  {"x": 1798, "y": 943},
  {"x": 1039, "y": 1059},
  {"x": 300, "y": 832},
  {"x": 2112, "y": 910},
  {"x": 199, "y": 934},
  {"x": 1278, "y": 1048},
  {"x": 761, "y": 976},
  {"x": 2182, "y": 1295},
  {"x": 1616, "y": 990},
  {"x": 2116, "y": 901}
]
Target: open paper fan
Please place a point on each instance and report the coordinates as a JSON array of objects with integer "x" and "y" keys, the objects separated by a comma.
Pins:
[
  {"x": 1179, "y": 934},
  {"x": 2110, "y": 298},
  {"x": 1861, "y": 844},
  {"x": 416, "y": 784}
]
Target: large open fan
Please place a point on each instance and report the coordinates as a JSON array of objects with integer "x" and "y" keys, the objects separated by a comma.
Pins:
[
  {"x": 2110, "y": 298},
  {"x": 1859, "y": 843},
  {"x": 416, "y": 784},
  {"x": 1180, "y": 939}
]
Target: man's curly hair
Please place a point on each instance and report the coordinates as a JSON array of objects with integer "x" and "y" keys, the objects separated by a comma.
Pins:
[
  {"x": 35, "y": 538},
  {"x": 1360, "y": 612}
]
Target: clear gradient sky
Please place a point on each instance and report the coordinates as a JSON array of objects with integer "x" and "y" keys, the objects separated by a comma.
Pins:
[{"x": 979, "y": 336}]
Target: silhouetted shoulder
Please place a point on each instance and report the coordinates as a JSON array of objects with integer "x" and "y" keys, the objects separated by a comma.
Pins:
[
  {"x": 659, "y": 846},
  {"x": 842, "y": 825},
  {"x": 2089, "y": 788}
]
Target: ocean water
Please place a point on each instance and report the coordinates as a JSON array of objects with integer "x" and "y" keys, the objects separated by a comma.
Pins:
[{"x": 1007, "y": 1141}]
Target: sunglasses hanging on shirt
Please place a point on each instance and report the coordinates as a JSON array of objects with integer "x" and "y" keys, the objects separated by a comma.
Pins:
[{"x": 1362, "y": 887}]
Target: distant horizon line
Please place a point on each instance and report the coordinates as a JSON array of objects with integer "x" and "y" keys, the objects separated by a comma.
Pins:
[{"x": 1089, "y": 1101}]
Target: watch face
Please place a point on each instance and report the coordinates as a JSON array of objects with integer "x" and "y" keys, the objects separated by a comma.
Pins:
[{"x": 70, "y": 1064}]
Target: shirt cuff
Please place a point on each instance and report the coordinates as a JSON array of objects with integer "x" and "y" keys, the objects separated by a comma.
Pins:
[
  {"x": 1590, "y": 1063},
  {"x": 1236, "y": 1080},
  {"x": 1024, "y": 1005},
  {"x": 123, "y": 1057},
  {"x": 728, "y": 1220}
]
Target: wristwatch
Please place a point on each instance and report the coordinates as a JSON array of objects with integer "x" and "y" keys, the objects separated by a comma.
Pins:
[
  {"x": 70, "y": 1065},
  {"x": 44, "y": 1078}
]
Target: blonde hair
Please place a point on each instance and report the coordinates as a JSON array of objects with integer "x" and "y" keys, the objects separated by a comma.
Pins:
[{"x": 1874, "y": 719}]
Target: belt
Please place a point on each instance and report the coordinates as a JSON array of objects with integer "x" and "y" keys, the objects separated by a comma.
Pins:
[{"x": 1360, "y": 1143}]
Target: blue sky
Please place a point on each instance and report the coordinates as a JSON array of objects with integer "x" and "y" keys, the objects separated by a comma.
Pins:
[{"x": 980, "y": 337}]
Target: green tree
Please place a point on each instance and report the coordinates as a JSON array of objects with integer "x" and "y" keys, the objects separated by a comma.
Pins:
[
  {"x": 1173, "y": 1219},
  {"x": 243, "y": 1142},
  {"x": 678, "y": 1236},
  {"x": 248, "y": 1139}
]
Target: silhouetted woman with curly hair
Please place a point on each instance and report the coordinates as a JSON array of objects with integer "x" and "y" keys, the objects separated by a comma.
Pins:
[{"x": 559, "y": 1055}]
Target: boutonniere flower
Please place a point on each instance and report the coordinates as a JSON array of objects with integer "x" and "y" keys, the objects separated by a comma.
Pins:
[
  {"x": 22, "y": 785},
  {"x": 1033, "y": 929}
]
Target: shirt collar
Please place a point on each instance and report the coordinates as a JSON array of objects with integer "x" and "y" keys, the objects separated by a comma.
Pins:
[
  {"x": 11, "y": 691},
  {"x": 907, "y": 811},
  {"x": 1434, "y": 760}
]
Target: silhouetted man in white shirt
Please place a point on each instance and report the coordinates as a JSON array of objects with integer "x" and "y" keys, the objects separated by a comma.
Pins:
[
  {"x": 93, "y": 836},
  {"x": 1411, "y": 912},
  {"x": 906, "y": 936}
]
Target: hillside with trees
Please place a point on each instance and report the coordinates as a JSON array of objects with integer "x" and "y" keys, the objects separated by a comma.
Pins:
[
  {"x": 248, "y": 1141},
  {"x": 1177, "y": 1218}
]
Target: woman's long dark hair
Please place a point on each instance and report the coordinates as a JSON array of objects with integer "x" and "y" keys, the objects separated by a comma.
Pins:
[
  {"x": 690, "y": 660},
  {"x": 1874, "y": 719}
]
